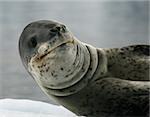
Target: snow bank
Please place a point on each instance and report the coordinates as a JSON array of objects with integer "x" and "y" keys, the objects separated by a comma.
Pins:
[{"x": 29, "y": 108}]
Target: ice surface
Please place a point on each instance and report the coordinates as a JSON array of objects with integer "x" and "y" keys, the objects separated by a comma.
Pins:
[{"x": 30, "y": 108}]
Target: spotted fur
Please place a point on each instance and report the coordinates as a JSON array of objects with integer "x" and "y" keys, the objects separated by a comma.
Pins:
[
  {"x": 130, "y": 63},
  {"x": 89, "y": 81}
]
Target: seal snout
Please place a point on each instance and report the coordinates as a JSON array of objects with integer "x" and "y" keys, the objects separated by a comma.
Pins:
[
  {"x": 58, "y": 30},
  {"x": 43, "y": 48}
]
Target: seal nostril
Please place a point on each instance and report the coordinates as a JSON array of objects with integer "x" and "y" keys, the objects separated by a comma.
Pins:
[
  {"x": 63, "y": 28},
  {"x": 58, "y": 28}
]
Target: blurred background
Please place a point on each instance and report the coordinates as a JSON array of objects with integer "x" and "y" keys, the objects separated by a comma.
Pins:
[{"x": 101, "y": 24}]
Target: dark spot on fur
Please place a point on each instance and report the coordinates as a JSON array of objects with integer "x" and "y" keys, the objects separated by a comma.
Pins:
[
  {"x": 90, "y": 68},
  {"x": 83, "y": 69},
  {"x": 121, "y": 53},
  {"x": 69, "y": 70},
  {"x": 74, "y": 63},
  {"x": 124, "y": 57},
  {"x": 52, "y": 74},
  {"x": 46, "y": 70},
  {"x": 122, "y": 49},
  {"x": 72, "y": 90},
  {"x": 61, "y": 69}
]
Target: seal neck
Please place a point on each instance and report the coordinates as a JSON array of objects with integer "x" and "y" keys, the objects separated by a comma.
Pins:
[{"x": 89, "y": 59}]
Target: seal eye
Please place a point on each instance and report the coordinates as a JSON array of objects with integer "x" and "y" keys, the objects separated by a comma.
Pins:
[
  {"x": 53, "y": 30},
  {"x": 64, "y": 28},
  {"x": 32, "y": 42}
]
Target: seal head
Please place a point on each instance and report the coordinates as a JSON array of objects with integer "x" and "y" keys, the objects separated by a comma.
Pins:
[
  {"x": 38, "y": 33},
  {"x": 52, "y": 55}
]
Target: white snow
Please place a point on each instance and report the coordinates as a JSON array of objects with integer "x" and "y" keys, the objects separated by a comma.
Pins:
[{"x": 30, "y": 108}]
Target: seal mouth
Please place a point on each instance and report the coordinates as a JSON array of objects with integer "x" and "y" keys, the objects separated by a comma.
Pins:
[{"x": 40, "y": 57}]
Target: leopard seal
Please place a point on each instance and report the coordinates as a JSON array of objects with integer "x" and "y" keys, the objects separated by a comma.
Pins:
[{"x": 89, "y": 81}]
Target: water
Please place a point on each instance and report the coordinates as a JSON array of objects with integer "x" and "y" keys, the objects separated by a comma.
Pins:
[{"x": 102, "y": 24}]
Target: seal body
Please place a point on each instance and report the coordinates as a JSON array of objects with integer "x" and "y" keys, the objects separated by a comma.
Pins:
[
  {"x": 89, "y": 81},
  {"x": 109, "y": 96}
]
